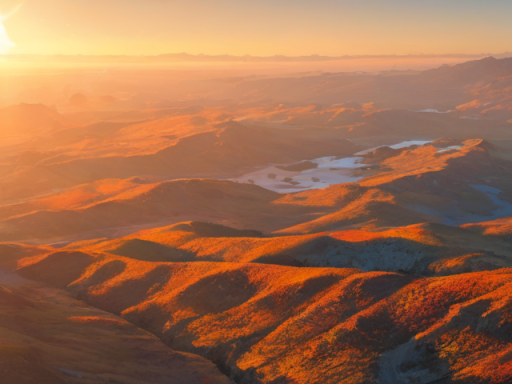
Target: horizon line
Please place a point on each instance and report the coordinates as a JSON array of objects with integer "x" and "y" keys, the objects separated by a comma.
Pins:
[{"x": 278, "y": 57}]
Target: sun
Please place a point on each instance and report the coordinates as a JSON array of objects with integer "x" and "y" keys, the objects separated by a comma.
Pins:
[{"x": 5, "y": 42}]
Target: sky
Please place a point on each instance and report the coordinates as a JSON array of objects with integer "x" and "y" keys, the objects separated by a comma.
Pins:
[{"x": 257, "y": 27}]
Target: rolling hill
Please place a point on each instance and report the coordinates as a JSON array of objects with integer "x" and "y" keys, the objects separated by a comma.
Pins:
[
  {"x": 226, "y": 151},
  {"x": 127, "y": 206},
  {"x": 283, "y": 324},
  {"x": 446, "y": 181},
  {"x": 422, "y": 249}
]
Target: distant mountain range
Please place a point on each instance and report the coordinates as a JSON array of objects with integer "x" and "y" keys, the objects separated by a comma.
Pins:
[{"x": 186, "y": 57}]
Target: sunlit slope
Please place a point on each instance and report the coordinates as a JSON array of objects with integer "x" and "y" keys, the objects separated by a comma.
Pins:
[
  {"x": 448, "y": 182},
  {"x": 373, "y": 208},
  {"x": 267, "y": 323},
  {"x": 425, "y": 249},
  {"x": 74, "y": 197},
  {"x": 495, "y": 229},
  {"x": 468, "y": 161},
  {"x": 225, "y": 151},
  {"x": 41, "y": 136},
  {"x": 492, "y": 101},
  {"x": 131, "y": 204},
  {"x": 50, "y": 338}
]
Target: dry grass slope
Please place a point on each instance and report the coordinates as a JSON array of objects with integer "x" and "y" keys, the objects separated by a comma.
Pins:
[{"x": 308, "y": 325}]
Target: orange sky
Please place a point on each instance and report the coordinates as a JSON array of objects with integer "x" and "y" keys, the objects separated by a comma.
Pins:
[{"x": 264, "y": 27}]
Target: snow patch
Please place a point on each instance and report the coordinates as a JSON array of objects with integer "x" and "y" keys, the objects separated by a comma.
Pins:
[
  {"x": 333, "y": 162},
  {"x": 453, "y": 147},
  {"x": 330, "y": 171},
  {"x": 431, "y": 111}
]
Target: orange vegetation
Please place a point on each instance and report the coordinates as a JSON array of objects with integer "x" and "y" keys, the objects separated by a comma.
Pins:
[
  {"x": 499, "y": 227},
  {"x": 424, "y": 248},
  {"x": 303, "y": 324},
  {"x": 415, "y": 232},
  {"x": 426, "y": 160}
]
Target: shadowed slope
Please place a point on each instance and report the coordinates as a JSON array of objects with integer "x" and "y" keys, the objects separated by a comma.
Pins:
[
  {"x": 10, "y": 253},
  {"x": 50, "y": 338},
  {"x": 422, "y": 249}
]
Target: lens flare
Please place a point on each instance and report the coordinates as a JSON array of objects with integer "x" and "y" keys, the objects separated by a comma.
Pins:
[{"x": 5, "y": 42}]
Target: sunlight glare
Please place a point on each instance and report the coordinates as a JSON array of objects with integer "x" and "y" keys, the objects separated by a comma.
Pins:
[{"x": 5, "y": 42}]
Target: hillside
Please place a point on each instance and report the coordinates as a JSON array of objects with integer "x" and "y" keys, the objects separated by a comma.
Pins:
[
  {"x": 225, "y": 151},
  {"x": 500, "y": 228},
  {"x": 31, "y": 119},
  {"x": 446, "y": 181},
  {"x": 397, "y": 187},
  {"x": 485, "y": 117},
  {"x": 425, "y": 249},
  {"x": 307, "y": 324},
  {"x": 134, "y": 205},
  {"x": 50, "y": 338},
  {"x": 471, "y": 72}
]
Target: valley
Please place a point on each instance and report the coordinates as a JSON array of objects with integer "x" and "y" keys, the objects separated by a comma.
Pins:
[{"x": 308, "y": 228}]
